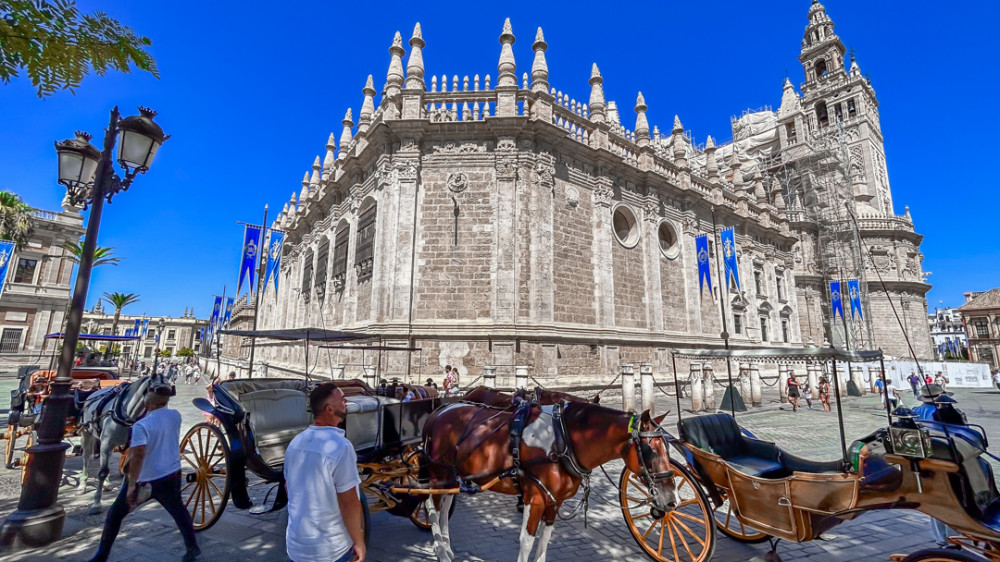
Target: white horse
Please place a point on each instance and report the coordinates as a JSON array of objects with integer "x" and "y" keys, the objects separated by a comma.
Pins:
[{"x": 106, "y": 422}]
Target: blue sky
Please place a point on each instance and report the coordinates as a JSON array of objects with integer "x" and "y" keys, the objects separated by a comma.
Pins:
[{"x": 250, "y": 94}]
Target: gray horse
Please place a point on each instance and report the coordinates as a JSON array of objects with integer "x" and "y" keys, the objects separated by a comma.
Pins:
[{"x": 107, "y": 417}]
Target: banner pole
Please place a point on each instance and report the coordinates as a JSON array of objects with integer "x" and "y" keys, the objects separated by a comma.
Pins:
[
  {"x": 725, "y": 330},
  {"x": 256, "y": 296}
]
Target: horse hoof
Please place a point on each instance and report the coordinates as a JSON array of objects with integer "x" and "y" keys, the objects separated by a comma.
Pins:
[
  {"x": 81, "y": 490},
  {"x": 94, "y": 510}
]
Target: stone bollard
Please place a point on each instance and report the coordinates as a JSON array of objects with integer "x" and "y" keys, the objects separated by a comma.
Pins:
[
  {"x": 490, "y": 376},
  {"x": 858, "y": 378},
  {"x": 842, "y": 374},
  {"x": 628, "y": 387},
  {"x": 338, "y": 371},
  {"x": 756, "y": 387},
  {"x": 521, "y": 376},
  {"x": 697, "y": 388},
  {"x": 708, "y": 381},
  {"x": 646, "y": 386},
  {"x": 783, "y": 383},
  {"x": 874, "y": 374},
  {"x": 813, "y": 371},
  {"x": 744, "y": 383}
]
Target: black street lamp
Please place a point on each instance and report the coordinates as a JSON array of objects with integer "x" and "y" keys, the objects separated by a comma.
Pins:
[{"x": 90, "y": 179}]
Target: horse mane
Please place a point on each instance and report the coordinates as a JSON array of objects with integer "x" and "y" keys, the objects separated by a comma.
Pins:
[{"x": 588, "y": 410}]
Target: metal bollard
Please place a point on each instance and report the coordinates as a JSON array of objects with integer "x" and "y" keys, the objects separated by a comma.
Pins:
[
  {"x": 646, "y": 386},
  {"x": 756, "y": 389},
  {"x": 628, "y": 387},
  {"x": 783, "y": 383},
  {"x": 697, "y": 389},
  {"x": 744, "y": 383},
  {"x": 708, "y": 381},
  {"x": 490, "y": 376},
  {"x": 813, "y": 371},
  {"x": 521, "y": 376}
]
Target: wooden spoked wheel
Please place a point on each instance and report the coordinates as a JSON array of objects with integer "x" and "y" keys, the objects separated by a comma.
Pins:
[
  {"x": 204, "y": 474},
  {"x": 942, "y": 555},
  {"x": 420, "y": 517},
  {"x": 26, "y": 459},
  {"x": 10, "y": 437},
  {"x": 687, "y": 533},
  {"x": 732, "y": 527}
]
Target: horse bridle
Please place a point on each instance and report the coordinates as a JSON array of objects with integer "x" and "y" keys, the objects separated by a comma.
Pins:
[{"x": 639, "y": 440}]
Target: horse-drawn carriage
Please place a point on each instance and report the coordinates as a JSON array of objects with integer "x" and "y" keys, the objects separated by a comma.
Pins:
[
  {"x": 257, "y": 420},
  {"x": 27, "y": 401},
  {"x": 761, "y": 492}
]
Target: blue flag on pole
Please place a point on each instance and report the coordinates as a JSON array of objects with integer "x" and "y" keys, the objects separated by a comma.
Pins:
[
  {"x": 216, "y": 313},
  {"x": 836, "y": 302},
  {"x": 6, "y": 256},
  {"x": 729, "y": 257},
  {"x": 854, "y": 290},
  {"x": 138, "y": 324},
  {"x": 248, "y": 259},
  {"x": 145, "y": 326},
  {"x": 704, "y": 271},
  {"x": 229, "y": 312},
  {"x": 273, "y": 258}
]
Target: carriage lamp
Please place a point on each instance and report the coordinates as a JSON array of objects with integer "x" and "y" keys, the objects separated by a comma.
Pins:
[{"x": 90, "y": 179}]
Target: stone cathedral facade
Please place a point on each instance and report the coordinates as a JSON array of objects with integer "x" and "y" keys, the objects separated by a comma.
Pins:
[{"x": 501, "y": 222}]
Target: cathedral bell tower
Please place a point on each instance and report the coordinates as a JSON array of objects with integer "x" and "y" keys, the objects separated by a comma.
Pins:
[{"x": 822, "y": 51}]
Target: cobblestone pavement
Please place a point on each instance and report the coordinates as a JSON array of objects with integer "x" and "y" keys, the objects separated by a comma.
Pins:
[{"x": 485, "y": 527}]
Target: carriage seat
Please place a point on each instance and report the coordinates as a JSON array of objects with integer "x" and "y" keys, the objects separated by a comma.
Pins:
[
  {"x": 719, "y": 434},
  {"x": 276, "y": 416}
]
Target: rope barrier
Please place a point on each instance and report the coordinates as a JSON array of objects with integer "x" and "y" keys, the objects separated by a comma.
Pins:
[
  {"x": 613, "y": 381},
  {"x": 776, "y": 381}
]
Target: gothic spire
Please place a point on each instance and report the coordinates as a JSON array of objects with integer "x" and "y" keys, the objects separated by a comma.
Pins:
[
  {"x": 789, "y": 100},
  {"x": 539, "y": 68},
  {"x": 367, "y": 106},
  {"x": 776, "y": 194},
  {"x": 415, "y": 64},
  {"x": 734, "y": 165},
  {"x": 345, "y": 136},
  {"x": 680, "y": 150},
  {"x": 758, "y": 187},
  {"x": 507, "y": 68},
  {"x": 314, "y": 179},
  {"x": 596, "y": 106},
  {"x": 305, "y": 187},
  {"x": 711, "y": 164},
  {"x": 331, "y": 155},
  {"x": 394, "y": 77},
  {"x": 641, "y": 124}
]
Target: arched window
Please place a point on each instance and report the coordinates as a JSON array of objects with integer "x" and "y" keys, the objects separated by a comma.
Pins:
[
  {"x": 307, "y": 276},
  {"x": 340, "y": 241},
  {"x": 322, "y": 257},
  {"x": 365, "y": 250},
  {"x": 821, "y": 115},
  {"x": 820, "y": 68},
  {"x": 626, "y": 226}
]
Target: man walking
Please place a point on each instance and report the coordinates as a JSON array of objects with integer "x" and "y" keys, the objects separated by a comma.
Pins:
[
  {"x": 914, "y": 381},
  {"x": 154, "y": 472},
  {"x": 321, "y": 476}
]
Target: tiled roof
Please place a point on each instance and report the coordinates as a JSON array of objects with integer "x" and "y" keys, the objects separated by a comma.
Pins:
[{"x": 989, "y": 299}]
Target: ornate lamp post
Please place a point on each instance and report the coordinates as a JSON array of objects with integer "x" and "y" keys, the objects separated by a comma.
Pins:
[{"x": 90, "y": 179}]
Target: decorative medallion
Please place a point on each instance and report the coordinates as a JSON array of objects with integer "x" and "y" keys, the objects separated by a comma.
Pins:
[
  {"x": 572, "y": 196},
  {"x": 457, "y": 182}
]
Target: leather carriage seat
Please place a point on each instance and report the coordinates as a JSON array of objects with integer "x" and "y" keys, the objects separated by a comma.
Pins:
[
  {"x": 277, "y": 415},
  {"x": 719, "y": 434}
]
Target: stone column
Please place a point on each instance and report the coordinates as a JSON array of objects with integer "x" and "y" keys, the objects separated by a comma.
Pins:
[
  {"x": 874, "y": 374},
  {"x": 628, "y": 387},
  {"x": 646, "y": 386},
  {"x": 858, "y": 378},
  {"x": 744, "y": 383},
  {"x": 697, "y": 388},
  {"x": 521, "y": 376},
  {"x": 813, "y": 371},
  {"x": 708, "y": 381},
  {"x": 756, "y": 389},
  {"x": 490, "y": 376},
  {"x": 603, "y": 261},
  {"x": 503, "y": 259},
  {"x": 783, "y": 382}
]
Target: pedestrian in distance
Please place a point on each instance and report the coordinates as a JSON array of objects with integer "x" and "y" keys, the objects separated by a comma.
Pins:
[
  {"x": 892, "y": 394},
  {"x": 941, "y": 380},
  {"x": 928, "y": 379},
  {"x": 807, "y": 393},
  {"x": 824, "y": 393},
  {"x": 321, "y": 475},
  {"x": 455, "y": 386},
  {"x": 154, "y": 472},
  {"x": 448, "y": 380},
  {"x": 793, "y": 391},
  {"x": 914, "y": 381}
]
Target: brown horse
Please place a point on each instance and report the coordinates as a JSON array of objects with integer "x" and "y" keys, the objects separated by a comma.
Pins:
[
  {"x": 473, "y": 442},
  {"x": 492, "y": 397}
]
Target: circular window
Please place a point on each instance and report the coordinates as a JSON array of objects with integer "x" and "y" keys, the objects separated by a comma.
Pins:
[
  {"x": 667, "y": 236},
  {"x": 626, "y": 227}
]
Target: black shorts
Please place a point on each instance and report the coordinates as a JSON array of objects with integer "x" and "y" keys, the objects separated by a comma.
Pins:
[{"x": 793, "y": 393}]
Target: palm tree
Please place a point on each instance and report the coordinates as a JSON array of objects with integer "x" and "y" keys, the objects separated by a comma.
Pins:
[
  {"x": 102, "y": 256},
  {"x": 119, "y": 301},
  {"x": 15, "y": 219}
]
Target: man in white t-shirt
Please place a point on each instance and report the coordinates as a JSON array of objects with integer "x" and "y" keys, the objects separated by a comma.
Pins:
[
  {"x": 321, "y": 477},
  {"x": 154, "y": 464}
]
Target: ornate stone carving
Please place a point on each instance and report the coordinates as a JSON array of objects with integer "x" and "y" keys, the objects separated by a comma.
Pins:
[
  {"x": 456, "y": 148},
  {"x": 409, "y": 143},
  {"x": 320, "y": 289},
  {"x": 572, "y": 196},
  {"x": 458, "y": 182},
  {"x": 544, "y": 175},
  {"x": 383, "y": 176},
  {"x": 506, "y": 167},
  {"x": 651, "y": 211},
  {"x": 603, "y": 195},
  {"x": 405, "y": 170},
  {"x": 506, "y": 143}
]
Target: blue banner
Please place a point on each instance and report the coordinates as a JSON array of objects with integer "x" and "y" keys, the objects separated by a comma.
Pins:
[
  {"x": 729, "y": 257},
  {"x": 216, "y": 313},
  {"x": 273, "y": 257},
  {"x": 249, "y": 257},
  {"x": 229, "y": 312},
  {"x": 704, "y": 271},
  {"x": 138, "y": 324},
  {"x": 854, "y": 290},
  {"x": 836, "y": 302},
  {"x": 201, "y": 335},
  {"x": 145, "y": 326},
  {"x": 6, "y": 256}
]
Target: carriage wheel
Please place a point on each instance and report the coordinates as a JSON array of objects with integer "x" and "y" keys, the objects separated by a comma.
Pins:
[
  {"x": 26, "y": 459},
  {"x": 11, "y": 438},
  {"x": 366, "y": 518},
  {"x": 204, "y": 474},
  {"x": 420, "y": 517},
  {"x": 942, "y": 555},
  {"x": 687, "y": 533},
  {"x": 732, "y": 527}
]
